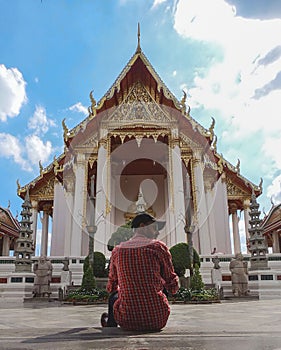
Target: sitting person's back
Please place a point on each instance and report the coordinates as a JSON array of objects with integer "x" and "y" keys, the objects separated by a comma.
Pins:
[{"x": 139, "y": 271}]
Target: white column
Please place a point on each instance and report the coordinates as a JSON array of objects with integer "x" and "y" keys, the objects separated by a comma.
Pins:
[
  {"x": 167, "y": 239},
  {"x": 178, "y": 190},
  {"x": 171, "y": 232},
  {"x": 100, "y": 236},
  {"x": 58, "y": 227},
  {"x": 246, "y": 206},
  {"x": 34, "y": 219},
  {"x": 222, "y": 217},
  {"x": 45, "y": 229},
  {"x": 235, "y": 229},
  {"x": 112, "y": 213},
  {"x": 202, "y": 215},
  {"x": 275, "y": 245},
  {"x": 6, "y": 246},
  {"x": 211, "y": 217},
  {"x": 78, "y": 207},
  {"x": 68, "y": 220}
]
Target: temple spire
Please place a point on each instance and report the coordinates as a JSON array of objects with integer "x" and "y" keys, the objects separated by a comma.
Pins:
[
  {"x": 257, "y": 243},
  {"x": 138, "y": 48},
  {"x": 24, "y": 244}
]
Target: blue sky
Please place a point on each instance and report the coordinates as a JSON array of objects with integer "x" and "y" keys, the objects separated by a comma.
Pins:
[{"x": 226, "y": 55}]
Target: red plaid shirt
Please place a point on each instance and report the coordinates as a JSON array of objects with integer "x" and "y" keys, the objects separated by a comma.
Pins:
[{"x": 139, "y": 269}]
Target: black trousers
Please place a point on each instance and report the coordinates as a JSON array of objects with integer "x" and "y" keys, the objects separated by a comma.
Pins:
[{"x": 111, "y": 300}]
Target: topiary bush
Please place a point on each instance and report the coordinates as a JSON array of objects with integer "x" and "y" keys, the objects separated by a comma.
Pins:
[
  {"x": 88, "y": 280},
  {"x": 181, "y": 258},
  {"x": 99, "y": 265},
  {"x": 123, "y": 233},
  {"x": 196, "y": 283}
]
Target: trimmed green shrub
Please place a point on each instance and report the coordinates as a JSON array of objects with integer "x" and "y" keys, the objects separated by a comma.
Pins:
[
  {"x": 99, "y": 264},
  {"x": 181, "y": 258},
  {"x": 87, "y": 296},
  {"x": 123, "y": 233},
  {"x": 88, "y": 281},
  {"x": 196, "y": 283},
  {"x": 189, "y": 295}
]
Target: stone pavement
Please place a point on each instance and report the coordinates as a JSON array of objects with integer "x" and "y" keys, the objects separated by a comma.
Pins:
[{"x": 230, "y": 325}]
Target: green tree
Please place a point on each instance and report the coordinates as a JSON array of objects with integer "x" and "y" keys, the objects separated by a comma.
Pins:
[
  {"x": 99, "y": 264},
  {"x": 181, "y": 258},
  {"x": 88, "y": 280},
  {"x": 123, "y": 233},
  {"x": 196, "y": 283}
]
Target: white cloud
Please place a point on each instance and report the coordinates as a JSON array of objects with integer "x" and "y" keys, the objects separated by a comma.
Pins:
[
  {"x": 28, "y": 151},
  {"x": 37, "y": 150},
  {"x": 158, "y": 2},
  {"x": 274, "y": 190},
  {"x": 39, "y": 121},
  {"x": 245, "y": 85},
  {"x": 78, "y": 107},
  {"x": 10, "y": 147},
  {"x": 12, "y": 92},
  {"x": 25, "y": 154},
  {"x": 250, "y": 68}
]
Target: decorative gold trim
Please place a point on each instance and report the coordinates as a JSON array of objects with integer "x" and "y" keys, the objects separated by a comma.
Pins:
[
  {"x": 92, "y": 109},
  {"x": 237, "y": 167},
  {"x": 92, "y": 159},
  {"x": 234, "y": 191}
]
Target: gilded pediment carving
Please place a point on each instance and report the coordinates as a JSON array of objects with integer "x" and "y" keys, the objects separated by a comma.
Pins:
[
  {"x": 234, "y": 191},
  {"x": 186, "y": 142},
  {"x": 45, "y": 192},
  {"x": 91, "y": 142},
  {"x": 139, "y": 107}
]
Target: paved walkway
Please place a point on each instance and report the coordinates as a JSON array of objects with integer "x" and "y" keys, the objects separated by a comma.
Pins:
[{"x": 229, "y": 325}]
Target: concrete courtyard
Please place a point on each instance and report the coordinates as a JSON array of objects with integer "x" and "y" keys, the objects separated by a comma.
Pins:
[{"x": 231, "y": 325}]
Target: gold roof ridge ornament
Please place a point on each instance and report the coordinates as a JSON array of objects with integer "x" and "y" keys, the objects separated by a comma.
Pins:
[
  {"x": 65, "y": 130},
  {"x": 138, "y": 47},
  {"x": 40, "y": 167},
  {"x": 183, "y": 101},
  {"x": 260, "y": 184},
  {"x": 237, "y": 168},
  {"x": 93, "y": 108},
  {"x": 211, "y": 129}
]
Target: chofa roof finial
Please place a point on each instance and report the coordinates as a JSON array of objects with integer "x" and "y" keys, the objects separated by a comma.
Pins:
[{"x": 138, "y": 48}]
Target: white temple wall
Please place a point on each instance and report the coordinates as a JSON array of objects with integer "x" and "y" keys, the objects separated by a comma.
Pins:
[
  {"x": 221, "y": 218},
  {"x": 58, "y": 226}
]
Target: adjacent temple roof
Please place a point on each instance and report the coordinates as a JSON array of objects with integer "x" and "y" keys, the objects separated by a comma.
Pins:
[
  {"x": 8, "y": 224},
  {"x": 139, "y": 69},
  {"x": 272, "y": 221}
]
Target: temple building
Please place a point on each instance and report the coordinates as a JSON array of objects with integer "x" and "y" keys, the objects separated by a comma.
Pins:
[
  {"x": 271, "y": 225},
  {"x": 9, "y": 231},
  {"x": 139, "y": 147}
]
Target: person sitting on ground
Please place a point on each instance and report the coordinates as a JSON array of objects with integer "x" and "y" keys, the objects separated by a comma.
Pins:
[{"x": 141, "y": 270}]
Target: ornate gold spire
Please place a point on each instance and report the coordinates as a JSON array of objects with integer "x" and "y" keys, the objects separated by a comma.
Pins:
[{"x": 138, "y": 47}]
